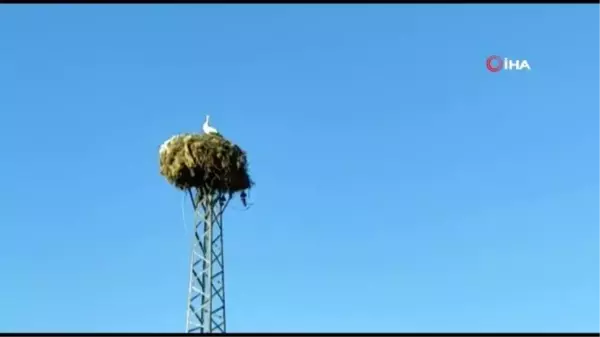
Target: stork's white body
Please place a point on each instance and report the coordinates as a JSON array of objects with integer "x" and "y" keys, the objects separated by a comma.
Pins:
[{"x": 207, "y": 128}]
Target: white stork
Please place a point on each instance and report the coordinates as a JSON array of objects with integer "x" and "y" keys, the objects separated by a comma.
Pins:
[{"x": 207, "y": 128}]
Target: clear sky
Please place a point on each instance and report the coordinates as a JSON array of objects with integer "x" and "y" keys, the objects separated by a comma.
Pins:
[{"x": 400, "y": 185}]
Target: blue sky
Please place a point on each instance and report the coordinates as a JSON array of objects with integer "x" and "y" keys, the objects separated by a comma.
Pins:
[{"x": 400, "y": 185}]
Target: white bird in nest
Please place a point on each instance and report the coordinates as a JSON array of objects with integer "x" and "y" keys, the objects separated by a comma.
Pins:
[{"x": 207, "y": 128}]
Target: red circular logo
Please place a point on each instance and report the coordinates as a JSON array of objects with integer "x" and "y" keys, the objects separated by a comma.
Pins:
[{"x": 489, "y": 63}]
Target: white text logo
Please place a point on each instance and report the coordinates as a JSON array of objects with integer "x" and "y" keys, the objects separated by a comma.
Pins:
[{"x": 496, "y": 63}]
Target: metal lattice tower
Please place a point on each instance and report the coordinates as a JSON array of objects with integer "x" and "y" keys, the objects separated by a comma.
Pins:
[{"x": 206, "y": 297}]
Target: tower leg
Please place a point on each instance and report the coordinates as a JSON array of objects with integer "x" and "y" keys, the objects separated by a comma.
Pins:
[{"x": 206, "y": 297}]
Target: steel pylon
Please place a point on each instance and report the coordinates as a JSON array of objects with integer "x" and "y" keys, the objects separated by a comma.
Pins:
[{"x": 206, "y": 294}]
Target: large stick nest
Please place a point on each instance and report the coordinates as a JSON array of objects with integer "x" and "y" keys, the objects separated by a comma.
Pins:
[{"x": 208, "y": 162}]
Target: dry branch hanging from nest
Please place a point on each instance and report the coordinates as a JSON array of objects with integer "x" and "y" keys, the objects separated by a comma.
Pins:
[{"x": 207, "y": 162}]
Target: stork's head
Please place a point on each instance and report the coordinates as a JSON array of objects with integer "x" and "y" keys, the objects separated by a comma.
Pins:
[{"x": 207, "y": 117}]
